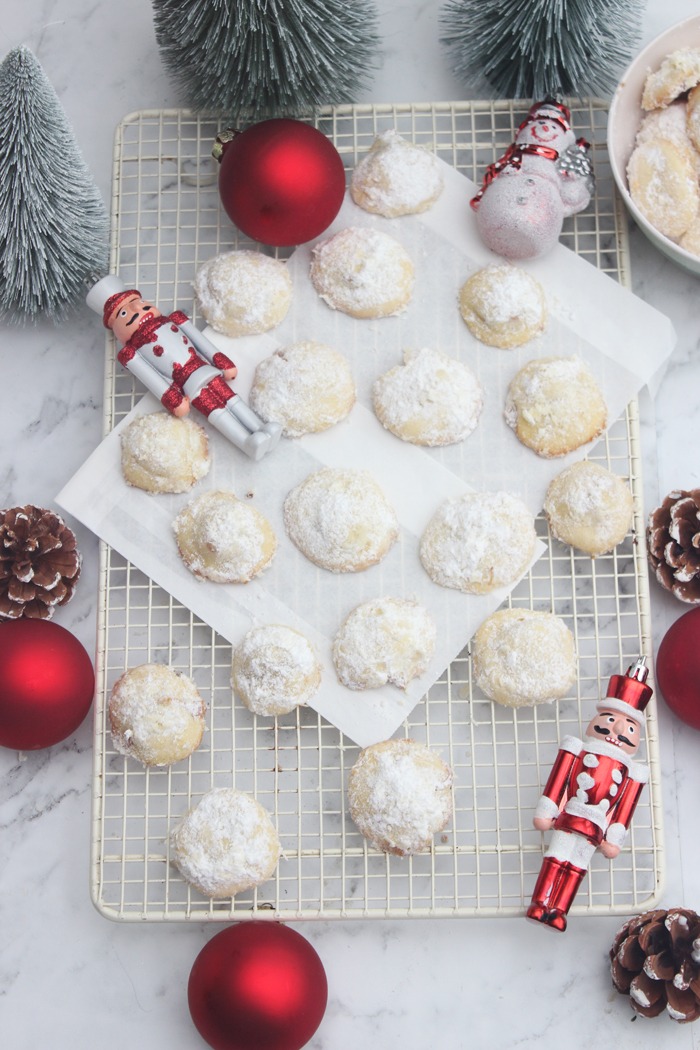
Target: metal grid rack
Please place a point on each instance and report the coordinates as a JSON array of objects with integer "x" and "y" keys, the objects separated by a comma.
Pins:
[{"x": 167, "y": 219}]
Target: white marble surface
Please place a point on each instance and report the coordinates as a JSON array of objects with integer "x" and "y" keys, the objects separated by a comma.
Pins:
[{"x": 69, "y": 978}]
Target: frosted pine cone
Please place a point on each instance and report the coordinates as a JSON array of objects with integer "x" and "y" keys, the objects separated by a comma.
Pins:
[
  {"x": 655, "y": 959},
  {"x": 673, "y": 544},
  {"x": 39, "y": 563}
]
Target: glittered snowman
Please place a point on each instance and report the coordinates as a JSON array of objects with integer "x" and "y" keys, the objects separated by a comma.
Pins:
[{"x": 543, "y": 177}]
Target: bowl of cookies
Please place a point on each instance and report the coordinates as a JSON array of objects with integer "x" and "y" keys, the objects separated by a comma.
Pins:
[{"x": 654, "y": 142}]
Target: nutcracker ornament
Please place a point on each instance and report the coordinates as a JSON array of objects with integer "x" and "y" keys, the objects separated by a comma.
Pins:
[
  {"x": 542, "y": 178},
  {"x": 591, "y": 794},
  {"x": 179, "y": 365}
]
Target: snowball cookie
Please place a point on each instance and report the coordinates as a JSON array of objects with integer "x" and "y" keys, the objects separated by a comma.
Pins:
[
  {"x": 589, "y": 508},
  {"x": 555, "y": 405},
  {"x": 243, "y": 292},
  {"x": 678, "y": 73},
  {"x": 672, "y": 123},
  {"x": 431, "y": 399},
  {"x": 503, "y": 306},
  {"x": 340, "y": 519},
  {"x": 692, "y": 118},
  {"x": 274, "y": 670},
  {"x": 396, "y": 177},
  {"x": 388, "y": 640},
  {"x": 225, "y": 844},
  {"x": 400, "y": 795},
  {"x": 156, "y": 715},
  {"x": 305, "y": 387},
  {"x": 663, "y": 184},
  {"x": 478, "y": 542},
  {"x": 362, "y": 272},
  {"x": 223, "y": 539},
  {"x": 521, "y": 657},
  {"x": 160, "y": 453}
]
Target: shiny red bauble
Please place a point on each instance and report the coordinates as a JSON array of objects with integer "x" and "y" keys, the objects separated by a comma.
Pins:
[
  {"x": 46, "y": 684},
  {"x": 281, "y": 181},
  {"x": 678, "y": 668},
  {"x": 257, "y": 986}
]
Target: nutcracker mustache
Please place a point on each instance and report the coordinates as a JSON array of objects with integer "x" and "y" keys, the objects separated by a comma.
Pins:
[{"x": 613, "y": 739}]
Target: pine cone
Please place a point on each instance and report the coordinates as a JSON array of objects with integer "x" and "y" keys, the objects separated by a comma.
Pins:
[
  {"x": 655, "y": 959},
  {"x": 39, "y": 563},
  {"x": 673, "y": 544}
]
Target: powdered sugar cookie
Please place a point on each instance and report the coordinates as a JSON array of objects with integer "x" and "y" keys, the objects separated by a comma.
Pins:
[
  {"x": 691, "y": 238},
  {"x": 555, "y": 405},
  {"x": 671, "y": 124},
  {"x": 160, "y": 453},
  {"x": 678, "y": 73},
  {"x": 503, "y": 305},
  {"x": 225, "y": 844},
  {"x": 478, "y": 542},
  {"x": 243, "y": 292},
  {"x": 223, "y": 539},
  {"x": 274, "y": 670},
  {"x": 589, "y": 508},
  {"x": 363, "y": 272},
  {"x": 400, "y": 796},
  {"x": 692, "y": 117},
  {"x": 340, "y": 519},
  {"x": 307, "y": 387},
  {"x": 388, "y": 640},
  {"x": 522, "y": 657},
  {"x": 663, "y": 184},
  {"x": 396, "y": 177},
  {"x": 156, "y": 715},
  {"x": 431, "y": 399}
]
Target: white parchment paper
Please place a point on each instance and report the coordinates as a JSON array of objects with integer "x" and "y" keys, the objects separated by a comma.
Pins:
[{"x": 625, "y": 342}]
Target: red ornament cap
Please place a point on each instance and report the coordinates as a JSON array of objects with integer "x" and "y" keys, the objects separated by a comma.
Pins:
[{"x": 628, "y": 693}]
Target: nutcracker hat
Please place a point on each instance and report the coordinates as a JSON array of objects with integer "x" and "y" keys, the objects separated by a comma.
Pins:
[
  {"x": 628, "y": 694},
  {"x": 105, "y": 296}
]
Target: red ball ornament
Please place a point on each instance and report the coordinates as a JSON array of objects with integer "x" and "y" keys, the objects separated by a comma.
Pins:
[
  {"x": 257, "y": 986},
  {"x": 282, "y": 182},
  {"x": 678, "y": 668},
  {"x": 46, "y": 684}
]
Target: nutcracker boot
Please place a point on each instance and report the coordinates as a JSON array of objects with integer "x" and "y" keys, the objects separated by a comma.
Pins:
[
  {"x": 244, "y": 429},
  {"x": 554, "y": 892},
  {"x": 252, "y": 421}
]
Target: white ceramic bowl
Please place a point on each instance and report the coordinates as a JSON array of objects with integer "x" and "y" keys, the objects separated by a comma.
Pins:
[{"x": 624, "y": 119}]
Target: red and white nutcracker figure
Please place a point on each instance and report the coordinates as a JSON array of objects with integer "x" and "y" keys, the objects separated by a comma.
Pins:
[
  {"x": 177, "y": 363},
  {"x": 591, "y": 795},
  {"x": 543, "y": 177}
]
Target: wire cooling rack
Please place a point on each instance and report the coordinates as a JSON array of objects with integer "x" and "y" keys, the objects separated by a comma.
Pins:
[{"x": 167, "y": 220}]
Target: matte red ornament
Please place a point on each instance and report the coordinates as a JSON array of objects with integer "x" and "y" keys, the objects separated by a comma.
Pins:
[
  {"x": 281, "y": 181},
  {"x": 46, "y": 684},
  {"x": 257, "y": 986},
  {"x": 678, "y": 668}
]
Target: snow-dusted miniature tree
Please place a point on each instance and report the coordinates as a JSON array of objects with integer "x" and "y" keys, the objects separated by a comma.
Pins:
[
  {"x": 53, "y": 223},
  {"x": 536, "y": 48},
  {"x": 266, "y": 57}
]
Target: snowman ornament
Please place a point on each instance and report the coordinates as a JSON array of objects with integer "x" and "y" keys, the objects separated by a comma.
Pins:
[{"x": 543, "y": 177}]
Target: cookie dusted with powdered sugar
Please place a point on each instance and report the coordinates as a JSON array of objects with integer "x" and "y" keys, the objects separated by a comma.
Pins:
[
  {"x": 156, "y": 715},
  {"x": 340, "y": 519},
  {"x": 243, "y": 292},
  {"x": 522, "y": 657},
  {"x": 274, "y": 670},
  {"x": 225, "y": 844},
  {"x": 478, "y": 542},
  {"x": 384, "y": 641},
  {"x": 400, "y": 796},
  {"x": 396, "y": 177},
  {"x": 503, "y": 306},
  {"x": 363, "y": 272},
  {"x": 306, "y": 387},
  {"x": 431, "y": 399},
  {"x": 223, "y": 539},
  {"x": 589, "y": 508},
  {"x": 554, "y": 405},
  {"x": 160, "y": 453}
]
